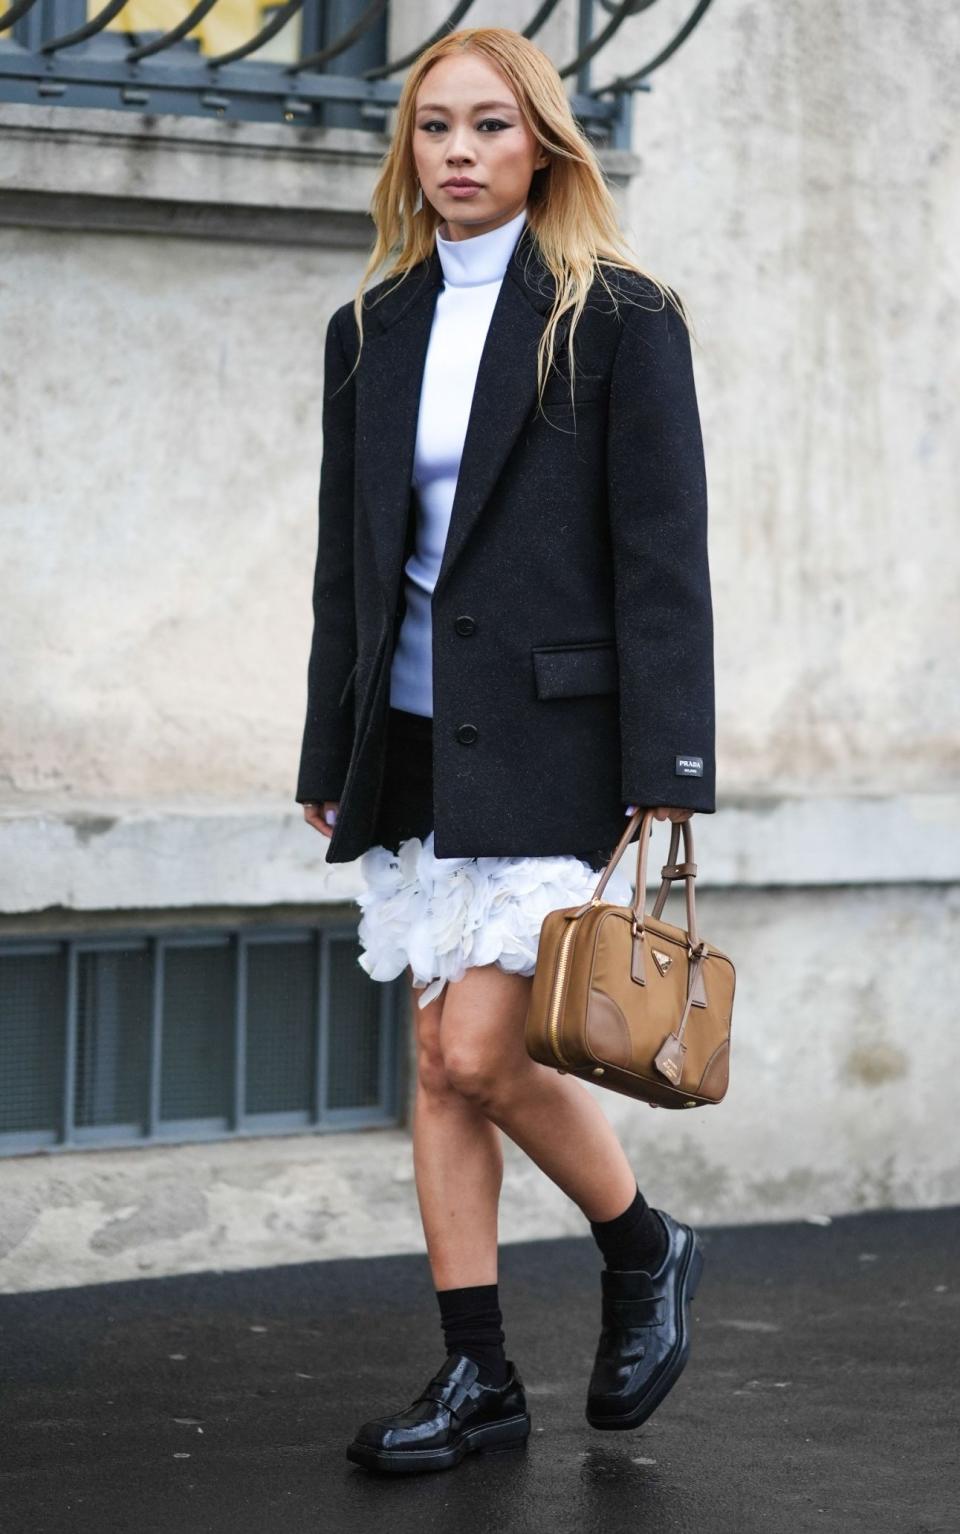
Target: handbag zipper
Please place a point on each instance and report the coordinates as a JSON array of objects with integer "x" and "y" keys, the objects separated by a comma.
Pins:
[{"x": 562, "y": 955}]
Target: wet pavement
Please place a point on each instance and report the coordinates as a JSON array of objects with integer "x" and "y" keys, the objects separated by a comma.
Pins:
[{"x": 821, "y": 1394}]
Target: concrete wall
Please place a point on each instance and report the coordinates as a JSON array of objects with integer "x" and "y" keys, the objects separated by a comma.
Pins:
[
  {"x": 164, "y": 288},
  {"x": 800, "y": 180},
  {"x": 841, "y": 1098},
  {"x": 797, "y": 181}
]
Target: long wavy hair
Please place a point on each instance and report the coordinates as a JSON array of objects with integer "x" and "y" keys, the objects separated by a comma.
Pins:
[{"x": 571, "y": 213}]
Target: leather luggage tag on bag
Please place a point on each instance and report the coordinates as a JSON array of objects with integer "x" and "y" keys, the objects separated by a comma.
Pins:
[{"x": 670, "y": 1057}]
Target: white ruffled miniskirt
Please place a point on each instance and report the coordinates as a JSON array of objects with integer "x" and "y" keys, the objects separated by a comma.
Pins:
[{"x": 440, "y": 916}]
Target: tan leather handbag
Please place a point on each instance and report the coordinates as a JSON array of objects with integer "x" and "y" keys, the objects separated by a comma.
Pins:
[{"x": 629, "y": 1001}]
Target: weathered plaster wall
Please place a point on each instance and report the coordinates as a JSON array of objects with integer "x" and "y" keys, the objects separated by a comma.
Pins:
[
  {"x": 845, "y": 1051},
  {"x": 798, "y": 183},
  {"x": 161, "y": 329}
]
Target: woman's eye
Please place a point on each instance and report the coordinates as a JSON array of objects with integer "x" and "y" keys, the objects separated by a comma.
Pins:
[{"x": 493, "y": 122}]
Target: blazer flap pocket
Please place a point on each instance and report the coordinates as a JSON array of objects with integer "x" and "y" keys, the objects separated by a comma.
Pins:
[
  {"x": 575, "y": 671},
  {"x": 345, "y": 691}
]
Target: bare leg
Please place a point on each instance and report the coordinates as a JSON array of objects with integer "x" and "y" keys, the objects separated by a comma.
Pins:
[
  {"x": 458, "y": 1164},
  {"x": 554, "y": 1119}
]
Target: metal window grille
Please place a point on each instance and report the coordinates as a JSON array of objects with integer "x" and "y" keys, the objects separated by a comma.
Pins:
[
  {"x": 193, "y": 1034},
  {"x": 312, "y": 63}
]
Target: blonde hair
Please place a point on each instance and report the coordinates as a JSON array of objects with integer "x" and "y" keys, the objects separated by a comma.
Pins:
[{"x": 571, "y": 213}]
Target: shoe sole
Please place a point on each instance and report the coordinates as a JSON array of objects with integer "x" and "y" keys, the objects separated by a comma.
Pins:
[
  {"x": 490, "y": 1436},
  {"x": 689, "y": 1282}
]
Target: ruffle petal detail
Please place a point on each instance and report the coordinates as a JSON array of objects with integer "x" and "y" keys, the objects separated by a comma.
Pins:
[{"x": 443, "y": 915}]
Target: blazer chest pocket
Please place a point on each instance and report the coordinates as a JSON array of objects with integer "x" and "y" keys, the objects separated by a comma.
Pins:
[
  {"x": 576, "y": 670},
  {"x": 556, "y": 394}
]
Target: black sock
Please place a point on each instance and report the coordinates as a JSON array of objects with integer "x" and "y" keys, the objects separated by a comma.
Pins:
[
  {"x": 472, "y": 1324},
  {"x": 634, "y": 1239}
]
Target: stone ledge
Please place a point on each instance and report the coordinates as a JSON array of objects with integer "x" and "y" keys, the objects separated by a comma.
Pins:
[
  {"x": 112, "y": 855},
  {"x": 78, "y": 168},
  {"x": 163, "y": 173}
]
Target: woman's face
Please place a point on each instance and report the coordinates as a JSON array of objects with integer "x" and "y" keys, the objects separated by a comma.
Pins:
[{"x": 468, "y": 125}]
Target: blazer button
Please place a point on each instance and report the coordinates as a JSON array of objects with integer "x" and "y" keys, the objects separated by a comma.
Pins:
[
  {"x": 467, "y": 734},
  {"x": 465, "y": 625}
]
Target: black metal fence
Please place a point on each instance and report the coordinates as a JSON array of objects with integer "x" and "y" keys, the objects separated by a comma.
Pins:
[{"x": 334, "y": 72}]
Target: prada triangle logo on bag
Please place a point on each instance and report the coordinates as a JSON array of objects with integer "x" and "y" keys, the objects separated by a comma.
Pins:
[{"x": 663, "y": 961}]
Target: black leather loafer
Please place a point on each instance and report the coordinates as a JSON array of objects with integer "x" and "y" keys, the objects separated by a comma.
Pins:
[
  {"x": 645, "y": 1337},
  {"x": 453, "y": 1415}
]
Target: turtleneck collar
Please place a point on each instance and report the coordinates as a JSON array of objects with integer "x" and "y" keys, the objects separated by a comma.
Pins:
[{"x": 482, "y": 257}]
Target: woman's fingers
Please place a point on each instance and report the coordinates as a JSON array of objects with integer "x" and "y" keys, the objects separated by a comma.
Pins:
[{"x": 323, "y": 817}]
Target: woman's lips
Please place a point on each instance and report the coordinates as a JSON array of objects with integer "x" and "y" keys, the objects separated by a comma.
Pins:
[{"x": 461, "y": 191}]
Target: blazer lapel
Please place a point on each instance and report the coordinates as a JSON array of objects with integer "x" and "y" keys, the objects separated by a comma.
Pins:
[
  {"x": 397, "y": 330},
  {"x": 388, "y": 399}
]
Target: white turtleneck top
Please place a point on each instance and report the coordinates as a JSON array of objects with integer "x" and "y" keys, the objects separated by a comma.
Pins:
[{"x": 473, "y": 270}]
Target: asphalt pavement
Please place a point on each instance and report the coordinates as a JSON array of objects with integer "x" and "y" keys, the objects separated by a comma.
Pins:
[{"x": 821, "y": 1394}]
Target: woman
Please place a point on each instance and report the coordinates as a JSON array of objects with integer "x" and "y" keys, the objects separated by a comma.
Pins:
[{"x": 512, "y": 648}]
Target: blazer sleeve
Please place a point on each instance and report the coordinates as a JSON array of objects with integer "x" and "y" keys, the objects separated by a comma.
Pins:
[
  {"x": 328, "y": 730},
  {"x": 663, "y": 615}
]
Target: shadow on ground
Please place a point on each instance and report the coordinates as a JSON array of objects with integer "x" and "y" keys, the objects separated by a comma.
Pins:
[{"x": 821, "y": 1394}]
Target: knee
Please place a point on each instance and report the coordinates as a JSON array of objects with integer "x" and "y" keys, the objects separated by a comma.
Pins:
[
  {"x": 432, "y": 1075},
  {"x": 475, "y": 1073}
]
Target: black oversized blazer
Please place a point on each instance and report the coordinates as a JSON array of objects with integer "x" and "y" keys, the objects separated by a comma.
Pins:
[{"x": 572, "y": 618}]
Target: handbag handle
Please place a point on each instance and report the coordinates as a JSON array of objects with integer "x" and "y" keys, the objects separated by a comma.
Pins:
[{"x": 687, "y": 870}]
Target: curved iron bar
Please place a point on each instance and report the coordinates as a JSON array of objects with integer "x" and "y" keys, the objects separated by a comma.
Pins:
[
  {"x": 89, "y": 29},
  {"x": 167, "y": 39},
  {"x": 392, "y": 65},
  {"x": 362, "y": 24},
  {"x": 619, "y": 14},
  {"x": 539, "y": 17},
  {"x": 276, "y": 23},
  {"x": 617, "y": 18},
  {"x": 10, "y": 17},
  {"x": 628, "y": 82}
]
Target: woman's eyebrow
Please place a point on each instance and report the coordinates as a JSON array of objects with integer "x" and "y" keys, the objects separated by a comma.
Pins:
[{"x": 438, "y": 106}]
